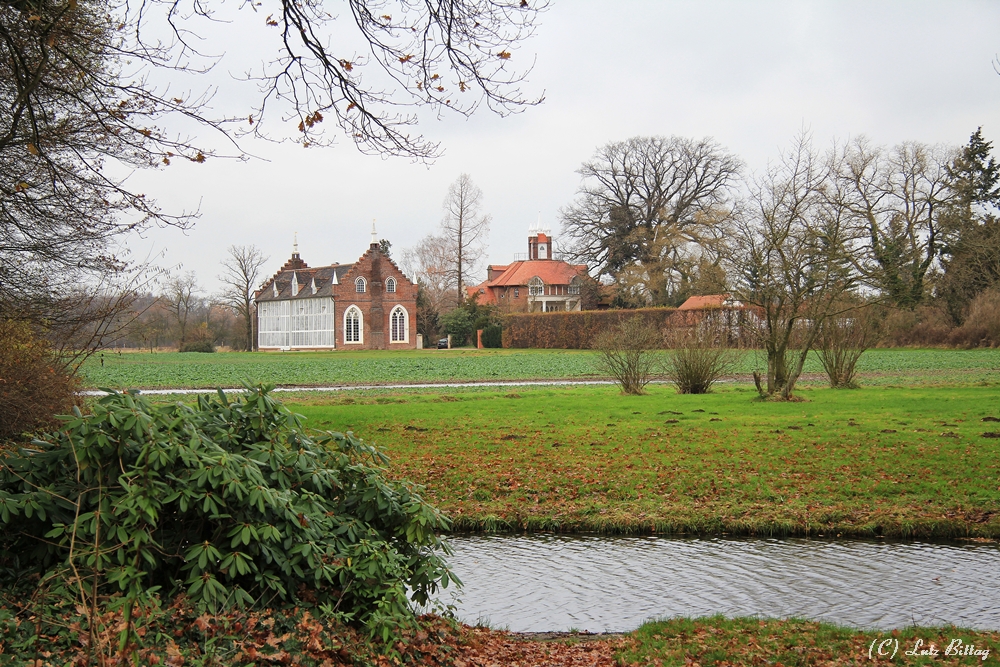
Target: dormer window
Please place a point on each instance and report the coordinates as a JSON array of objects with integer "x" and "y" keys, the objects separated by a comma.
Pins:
[
  {"x": 574, "y": 285},
  {"x": 390, "y": 285},
  {"x": 359, "y": 285},
  {"x": 536, "y": 287}
]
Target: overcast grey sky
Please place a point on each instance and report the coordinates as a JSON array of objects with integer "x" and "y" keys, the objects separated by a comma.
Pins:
[{"x": 749, "y": 74}]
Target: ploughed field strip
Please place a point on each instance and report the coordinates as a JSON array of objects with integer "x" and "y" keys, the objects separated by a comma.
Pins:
[{"x": 904, "y": 462}]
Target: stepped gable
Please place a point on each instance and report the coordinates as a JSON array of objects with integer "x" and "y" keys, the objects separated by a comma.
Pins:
[
  {"x": 327, "y": 299},
  {"x": 366, "y": 258}
]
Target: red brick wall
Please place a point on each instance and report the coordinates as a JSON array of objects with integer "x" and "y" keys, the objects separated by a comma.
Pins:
[{"x": 375, "y": 303}]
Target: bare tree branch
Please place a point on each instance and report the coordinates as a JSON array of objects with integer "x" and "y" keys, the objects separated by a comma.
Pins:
[{"x": 651, "y": 210}]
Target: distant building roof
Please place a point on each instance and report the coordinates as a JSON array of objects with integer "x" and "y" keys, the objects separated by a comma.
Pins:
[
  {"x": 551, "y": 271},
  {"x": 519, "y": 273},
  {"x": 323, "y": 277},
  {"x": 703, "y": 302}
]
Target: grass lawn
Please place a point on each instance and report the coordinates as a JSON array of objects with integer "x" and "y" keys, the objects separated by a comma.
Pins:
[
  {"x": 905, "y": 462},
  {"x": 752, "y": 641},
  {"x": 229, "y": 369}
]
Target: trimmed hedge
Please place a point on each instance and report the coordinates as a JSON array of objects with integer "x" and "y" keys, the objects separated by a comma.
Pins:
[
  {"x": 493, "y": 336},
  {"x": 198, "y": 346},
  {"x": 576, "y": 330}
]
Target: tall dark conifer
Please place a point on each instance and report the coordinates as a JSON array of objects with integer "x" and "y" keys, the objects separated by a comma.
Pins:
[{"x": 970, "y": 254}]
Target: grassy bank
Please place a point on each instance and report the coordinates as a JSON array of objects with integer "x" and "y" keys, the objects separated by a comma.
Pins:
[
  {"x": 229, "y": 369},
  {"x": 752, "y": 641},
  {"x": 901, "y": 462}
]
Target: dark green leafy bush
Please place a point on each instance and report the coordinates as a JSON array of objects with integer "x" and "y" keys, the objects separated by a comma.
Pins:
[
  {"x": 493, "y": 336},
  {"x": 230, "y": 503},
  {"x": 458, "y": 323}
]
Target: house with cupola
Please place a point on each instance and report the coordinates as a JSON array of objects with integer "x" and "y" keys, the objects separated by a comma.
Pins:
[
  {"x": 369, "y": 305},
  {"x": 535, "y": 282}
]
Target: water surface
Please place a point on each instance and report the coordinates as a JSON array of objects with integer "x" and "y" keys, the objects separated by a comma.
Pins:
[{"x": 597, "y": 583}]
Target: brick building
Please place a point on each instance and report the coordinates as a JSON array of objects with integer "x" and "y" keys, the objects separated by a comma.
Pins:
[
  {"x": 368, "y": 305},
  {"x": 536, "y": 284}
]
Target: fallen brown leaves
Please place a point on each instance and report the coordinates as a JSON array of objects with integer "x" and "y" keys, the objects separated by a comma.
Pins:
[
  {"x": 440, "y": 643},
  {"x": 490, "y": 648}
]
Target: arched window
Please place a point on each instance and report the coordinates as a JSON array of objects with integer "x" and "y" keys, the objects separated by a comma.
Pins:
[
  {"x": 536, "y": 287},
  {"x": 359, "y": 285},
  {"x": 399, "y": 325},
  {"x": 574, "y": 285},
  {"x": 390, "y": 285},
  {"x": 353, "y": 325}
]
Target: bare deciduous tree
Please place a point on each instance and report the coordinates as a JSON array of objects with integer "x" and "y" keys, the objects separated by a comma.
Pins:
[
  {"x": 464, "y": 228},
  {"x": 443, "y": 263},
  {"x": 789, "y": 260},
  {"x": 895, "y": 199},
  {"x": 181, "y": 299},
  {"x": 429, "y": 263},
  {"x": 651, "y": 211},
  {"x": 240, "y": 279}
]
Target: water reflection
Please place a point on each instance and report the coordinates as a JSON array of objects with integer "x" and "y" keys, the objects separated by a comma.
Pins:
[{"x": 554, "y": 582}]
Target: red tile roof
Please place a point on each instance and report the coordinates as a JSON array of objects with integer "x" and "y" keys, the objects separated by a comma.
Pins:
[
  {"x": 703, "y": 302},
  {"x": 485, "y": 296},
  {"x": 517, "y": 274},
  {"x": 551, "y": 271}
]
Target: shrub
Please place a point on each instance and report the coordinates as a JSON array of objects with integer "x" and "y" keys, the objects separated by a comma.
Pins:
[
  {"x": 628, "y": 354},
  {"x": 493, "y": 336},
  {"x": 198, "y": 346},
  {"x": 697, "y": 362},
  {"x": 232, "y": 503},
  {"x": 926, "y": 325},
  {"x": 842, "y": 340},
  {"x": 982, "y": 326},
  {"x": 35, "y": 384},
  {"x": 457, "y": 323}
]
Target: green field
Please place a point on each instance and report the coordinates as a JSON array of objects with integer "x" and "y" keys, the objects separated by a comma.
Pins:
[
  {"x": 903, "y": 456},
  {"x": 902, "y": 462},
  {"x": 229, "y": 369}
]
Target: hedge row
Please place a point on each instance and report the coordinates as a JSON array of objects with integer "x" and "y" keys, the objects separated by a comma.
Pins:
[{"x": 576, "y": 330}]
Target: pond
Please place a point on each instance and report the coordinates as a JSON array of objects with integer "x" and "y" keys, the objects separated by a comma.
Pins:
[{"x": 545, "y": 582}]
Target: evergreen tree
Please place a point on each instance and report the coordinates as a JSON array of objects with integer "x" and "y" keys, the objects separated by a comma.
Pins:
[{"x": 970, "y": 254}]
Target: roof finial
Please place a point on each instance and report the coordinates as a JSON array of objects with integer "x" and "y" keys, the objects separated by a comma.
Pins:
[
  {"x": 374, "y": 234},
  {"x": 295, "y": 245}
]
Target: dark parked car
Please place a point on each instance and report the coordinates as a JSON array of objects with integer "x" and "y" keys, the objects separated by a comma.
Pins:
[{"x": 443, "y": 344}]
